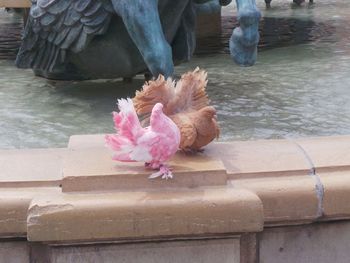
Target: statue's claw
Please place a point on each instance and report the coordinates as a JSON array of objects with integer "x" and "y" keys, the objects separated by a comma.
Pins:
[{"x": 245, "y": 38}]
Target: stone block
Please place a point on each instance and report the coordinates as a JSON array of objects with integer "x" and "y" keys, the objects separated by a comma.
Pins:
[
  {"x": 249, "y": 159},
  {"x": 89, "y": 167},
  {"x": 15, "y": 3},
  {"x": 14, "y": 252},
  {"x": 194, "y": 251},
  {"x": 336, "y": 198},
  {"x": 315, "y": 243},
  {"x": 143, "y": 215},
  {"x": 286, "y": 199},
  {"x": 31, "y": 167},
  {"x": 14, "y": 204},
  {"x": 248, "y": 248},
  {"x": 327, "y": 153}
]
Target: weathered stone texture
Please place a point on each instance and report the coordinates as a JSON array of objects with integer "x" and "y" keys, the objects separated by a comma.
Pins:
[
  {"x": 199, "y": 251},
  {"x": 316, "y": 243},
  {"x": 14, "y": 252}
]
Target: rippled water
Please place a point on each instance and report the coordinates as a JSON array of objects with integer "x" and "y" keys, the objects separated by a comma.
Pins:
[{"x": 299, "y": 87}]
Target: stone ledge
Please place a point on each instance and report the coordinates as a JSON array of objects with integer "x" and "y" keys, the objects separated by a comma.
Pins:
[
  {"x": 92, "y": 169},
  {"x": 31, "y": 167},
  {"x": 286, "y": 200},
  {"x": 203, "y": 251},
  {"x": 241, "y": 159},
  {"x": 327, "y": 153},
  {"x": 14, "y": 252},
  {"x": 275, "y": 172},
  {"x": 336, "y": 200},
  {"x": 14, "y": 204},
  {"x": 15, "y": 3},
  {"x": 257, "y": 159},
  {"x": 143, "y": 215}
]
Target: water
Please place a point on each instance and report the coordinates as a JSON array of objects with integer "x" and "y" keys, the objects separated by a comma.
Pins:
[{"x": 299, "y": 87}]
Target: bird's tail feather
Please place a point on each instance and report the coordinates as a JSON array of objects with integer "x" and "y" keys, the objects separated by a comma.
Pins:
[
  {"x": 128, "y": 129},
  {"x": 126, "y": 121},
  {"x": 154, "y": 91},
  {"x": 186, "y": 95},
  {"x": 121, "y": 147},
  {"x": 190, "y": 92}
]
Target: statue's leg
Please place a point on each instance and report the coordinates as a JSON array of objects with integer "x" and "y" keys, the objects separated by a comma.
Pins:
[
  {"x": 268, "y": 3},
  {"x": 298, "y": 2},
  {"x": 209, "y": 7},
  {"x": 141, "y": 19},
  {"x": 184, "y": 42},
  {"x": 245, "y": 38},
  {"x": 225, "y": 2}
]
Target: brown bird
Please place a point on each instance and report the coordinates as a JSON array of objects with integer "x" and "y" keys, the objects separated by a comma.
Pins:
[{"x": 186, "y": 103}]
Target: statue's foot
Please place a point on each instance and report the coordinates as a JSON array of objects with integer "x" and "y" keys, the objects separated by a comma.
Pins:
[
  {"x": 298, "y": 2},
  {"x": 245, "y": 38},
  {"x": 225, "y": 2},
  {"x": 268, "y": 3},
  {"x": 242, "y": 55}
]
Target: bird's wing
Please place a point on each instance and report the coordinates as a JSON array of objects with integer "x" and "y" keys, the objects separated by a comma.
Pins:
[
  {"x": 188, "y": 135},
  {"x": 205, "y": 121},
  {"x": 190, "y": 92},
  {"x": 188, "y": 131},
  {"x": 206, "y": 126},
  {"x": 130, "y": 142},
  {"x": 57, "y": 26},
  {"x": 142, "y": 152},
  {"x": 154, "y": 91}
]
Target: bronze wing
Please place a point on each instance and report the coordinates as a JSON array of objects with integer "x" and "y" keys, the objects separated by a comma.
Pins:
[{"x": 56, "y": 27}]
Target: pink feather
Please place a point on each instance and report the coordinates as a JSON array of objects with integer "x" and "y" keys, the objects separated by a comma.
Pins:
[{"x": 153, "y": 145}]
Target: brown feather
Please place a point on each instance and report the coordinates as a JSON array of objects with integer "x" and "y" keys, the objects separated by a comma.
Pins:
[
  {"x": 206, "y": 126},
  {"x": 186, "y": 103},
  {"x": 153, "y": 91},
  {"x": 187, "y": 130},
  {"x": 190, "y": 92}
]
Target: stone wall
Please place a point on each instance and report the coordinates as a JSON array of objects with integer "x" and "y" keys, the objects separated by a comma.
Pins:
[{"x": 255, "y": 201}]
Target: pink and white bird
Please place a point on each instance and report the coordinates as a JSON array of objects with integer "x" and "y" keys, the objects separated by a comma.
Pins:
[{"x": 153, "y": 145}]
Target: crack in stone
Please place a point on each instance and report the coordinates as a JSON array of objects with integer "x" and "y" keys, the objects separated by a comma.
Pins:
[
  {"x": 319, "y": 188},
  {"x": 36, "y": 211}
]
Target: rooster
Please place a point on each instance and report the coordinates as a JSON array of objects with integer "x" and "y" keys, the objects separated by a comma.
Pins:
[
  {"x": 153, "y": 145},
  {"x": 186, "y": 103}
]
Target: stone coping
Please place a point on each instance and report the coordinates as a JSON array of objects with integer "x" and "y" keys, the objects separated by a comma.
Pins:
[
  {"x": 234, "y": 187},
  {"x": 143, "y": 215},
  {"x": 327, "y": 153},
  {"x": 15, "y": 3},
  {"x": 31, "y": 167},
  {"x": 92, "y": 169},
  {"x": 14, "y": 203}
]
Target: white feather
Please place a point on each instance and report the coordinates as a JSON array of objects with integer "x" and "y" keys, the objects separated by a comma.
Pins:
[{"x": 140, "y": 154}]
